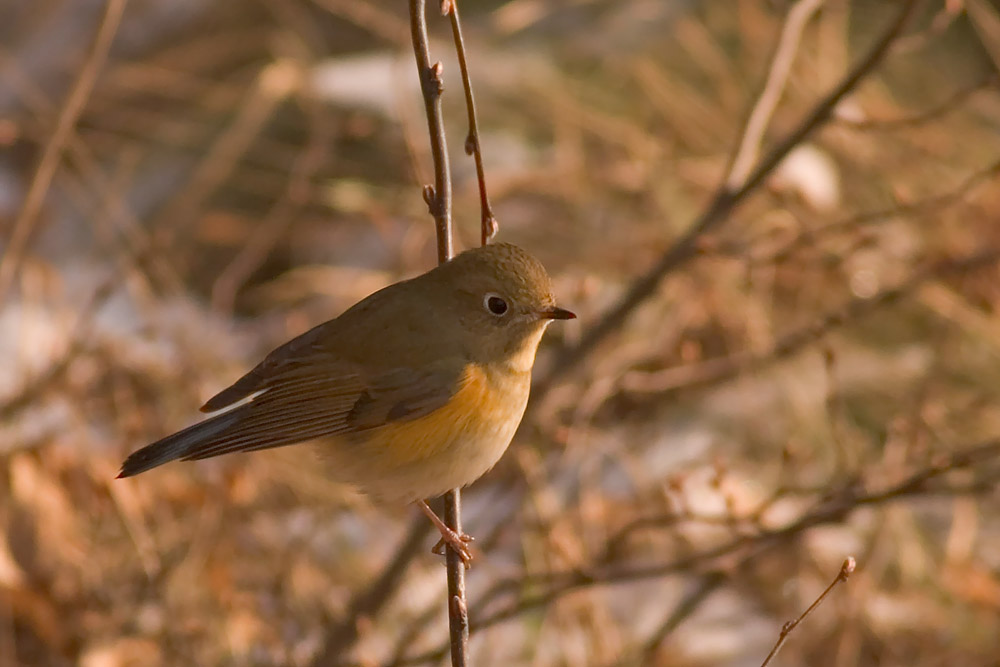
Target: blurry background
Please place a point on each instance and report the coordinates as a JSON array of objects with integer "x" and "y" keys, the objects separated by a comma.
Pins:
[{"x": 819, "y": 380}]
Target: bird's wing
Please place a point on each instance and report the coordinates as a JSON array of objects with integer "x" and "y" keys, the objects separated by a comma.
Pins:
[
  {"x": 300, "y": 351},
  {"x": 304, "y": 401},
  {"x": 400, "y": 395}
]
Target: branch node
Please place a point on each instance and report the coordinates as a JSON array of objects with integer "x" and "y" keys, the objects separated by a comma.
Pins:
[
  {"x": 847, "y": 569},
  {"x": 435, "y": 79}
]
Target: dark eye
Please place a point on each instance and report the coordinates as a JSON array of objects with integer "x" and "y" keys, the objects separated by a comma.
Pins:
[{"x": 495, "y": 304}]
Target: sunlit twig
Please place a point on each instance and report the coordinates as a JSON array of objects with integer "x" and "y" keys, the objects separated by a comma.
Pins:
[
  {"x": 438, "y": 198},
  {"x": 846, "y": 570},
  {"x": 473, "y": 146}
]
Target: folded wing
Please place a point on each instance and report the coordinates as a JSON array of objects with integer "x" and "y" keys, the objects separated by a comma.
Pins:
[{"x": 302, "y": 401}]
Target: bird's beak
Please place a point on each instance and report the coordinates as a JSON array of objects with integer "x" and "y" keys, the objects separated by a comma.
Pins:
[{"x": 555, "y": 313}]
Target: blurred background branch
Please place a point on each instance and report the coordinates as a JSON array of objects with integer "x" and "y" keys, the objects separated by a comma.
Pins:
[{"x": 695, "y": 467}]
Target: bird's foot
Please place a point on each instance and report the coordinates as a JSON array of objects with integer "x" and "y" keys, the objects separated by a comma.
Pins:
[{"x": 459, "y": 543}]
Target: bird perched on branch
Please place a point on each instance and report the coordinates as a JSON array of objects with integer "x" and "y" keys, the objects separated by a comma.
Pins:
[{"x": 413, "y": 391}]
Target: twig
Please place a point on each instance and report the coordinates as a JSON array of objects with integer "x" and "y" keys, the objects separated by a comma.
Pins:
[
  {"x": 473, "y": 146},
  {"x": 438, "y": 198},
  {"x": 922, "y": 206},
  {"x": 27, "y": 216},
  {"x": 722, "y": 368},
  {"x": 458, "y": 610},
  {"x": 723, "y": 204},
  {"x": 95, "y": 182},
  {"x": 708, "y": 584},
  {"x": 952, "y": 103},
  {"x": 846, "y": 570},
  {"x": 547, "y": 587},
  {"x": 777, "y": 77}
]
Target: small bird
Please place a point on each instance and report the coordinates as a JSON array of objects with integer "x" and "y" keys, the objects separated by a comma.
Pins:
[{"x": 413, "y": 391}]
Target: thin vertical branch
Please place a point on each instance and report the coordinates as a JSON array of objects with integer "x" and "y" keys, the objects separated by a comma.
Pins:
[
  {"x": 473, "y": 146},
  {"x": 458, "y": 610},
  {"x": 438, "y": 198}
]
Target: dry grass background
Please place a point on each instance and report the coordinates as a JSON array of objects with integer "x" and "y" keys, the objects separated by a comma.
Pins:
[{"x": 819, "y": 381}]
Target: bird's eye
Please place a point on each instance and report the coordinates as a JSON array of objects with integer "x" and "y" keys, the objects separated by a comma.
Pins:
[{"x": 496, "y": 304}]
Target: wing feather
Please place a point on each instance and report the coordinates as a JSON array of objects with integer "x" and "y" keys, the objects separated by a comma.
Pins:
[{"x": 303, "y": 401}]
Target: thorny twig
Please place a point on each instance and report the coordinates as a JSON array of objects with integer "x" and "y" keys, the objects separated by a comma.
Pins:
[{"x": 846, "y": 570}]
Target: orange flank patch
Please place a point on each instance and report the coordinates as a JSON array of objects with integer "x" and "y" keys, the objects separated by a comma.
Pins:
[{"x": 477, "y": 410}]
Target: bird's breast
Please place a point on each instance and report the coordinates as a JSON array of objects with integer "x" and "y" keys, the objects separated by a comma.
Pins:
[
  {"x": 450, "y": 447},
  {"x": 481, "y": 416}
]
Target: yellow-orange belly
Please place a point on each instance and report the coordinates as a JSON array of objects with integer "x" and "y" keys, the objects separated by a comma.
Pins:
[{"x": 448, "y": 448}]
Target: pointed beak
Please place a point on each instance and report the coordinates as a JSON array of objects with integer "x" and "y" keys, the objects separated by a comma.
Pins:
[{"x": 555, "y": 313}]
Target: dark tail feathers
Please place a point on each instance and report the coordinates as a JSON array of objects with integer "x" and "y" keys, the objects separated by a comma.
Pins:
[{"x": 180, "y": 445}]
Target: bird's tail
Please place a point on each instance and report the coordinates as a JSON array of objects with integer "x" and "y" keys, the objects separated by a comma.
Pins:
[{"x": 190, "y": 443}]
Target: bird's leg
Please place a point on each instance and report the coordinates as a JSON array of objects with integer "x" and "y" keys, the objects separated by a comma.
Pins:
[{"x": 458, "y": 542}]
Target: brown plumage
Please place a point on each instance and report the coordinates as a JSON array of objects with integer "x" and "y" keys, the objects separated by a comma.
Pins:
[{"x": 414, "y": 390}]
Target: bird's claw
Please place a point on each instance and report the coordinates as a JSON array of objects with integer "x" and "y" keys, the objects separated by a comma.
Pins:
[{"x": 459, "y": 543}]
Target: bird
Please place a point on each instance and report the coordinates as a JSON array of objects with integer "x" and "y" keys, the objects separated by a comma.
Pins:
[{"x": 415, "y": 390}]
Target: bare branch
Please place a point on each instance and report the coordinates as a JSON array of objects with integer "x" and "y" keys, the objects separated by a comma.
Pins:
[
  {"x": 846, "y": 570},
  {"x": 724, "y": 203},
  {"x": 707, "y": 585},
  {"x": 438, "y": 196},
  {"x": 835, "y": 507},
  {"x": 473, "y": 146},
  {"x": 952, "y": 103},
  {"x": 438, "y": 200},
  {"x": 718, "y": 369},
  {"x": 298, "y": 190},
  {"x": 781, "y": 65}
]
